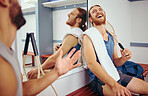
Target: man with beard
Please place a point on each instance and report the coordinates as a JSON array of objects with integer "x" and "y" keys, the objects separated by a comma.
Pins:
[
  {"x": 76, "y": 21},
  {"x": 101, "y": 82},
  {"x": 11, "y": 19}
]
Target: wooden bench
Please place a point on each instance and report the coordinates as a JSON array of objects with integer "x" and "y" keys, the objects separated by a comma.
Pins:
[
  {"x": 84, "y": 91},
  {"x": 145, "y": 67},
  {"x": 87, "y": 90}
]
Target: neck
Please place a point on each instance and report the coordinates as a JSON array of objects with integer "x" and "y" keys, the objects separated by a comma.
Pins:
[
  {"x": 75, "y": 26},
  {"x": 101, "y": 29},
  {"x": 7, "y": 30}
]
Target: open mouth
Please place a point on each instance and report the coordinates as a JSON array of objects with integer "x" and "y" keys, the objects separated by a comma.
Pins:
[{"x": 99, "y": 16}]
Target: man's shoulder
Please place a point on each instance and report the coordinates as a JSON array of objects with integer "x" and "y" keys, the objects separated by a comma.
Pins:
[
  {"x": 8, "y": 81},
  {"x": 4, "y": 65},
  {"x": 86, "y": 38},
  {"x": 2, "y": 61},
  {"x": 5, "y": 68},
  {"x": 88, "y": 32}
]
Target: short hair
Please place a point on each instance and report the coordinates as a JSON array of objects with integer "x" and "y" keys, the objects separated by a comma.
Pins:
[{"x": 91, "y": 8}]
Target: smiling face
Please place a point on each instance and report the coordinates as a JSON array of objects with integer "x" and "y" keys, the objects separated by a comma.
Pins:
[
  {"x": 72, "y": 17},
  {"x": 97, "y": 15}
]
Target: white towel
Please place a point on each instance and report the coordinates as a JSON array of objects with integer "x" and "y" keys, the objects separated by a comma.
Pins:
[
  {"x": 101, "y": 52},
  {"x": 76, "y": 32}
]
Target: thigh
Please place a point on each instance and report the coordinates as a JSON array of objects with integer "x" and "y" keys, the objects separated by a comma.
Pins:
[
  {"x": 124, "y": 79},
  {"x": 100, "y": 88},
  {"x": 137, "y": 85}
]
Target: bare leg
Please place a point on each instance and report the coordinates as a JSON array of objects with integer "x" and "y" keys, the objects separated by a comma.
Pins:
[{"x": 138, "y": 86}]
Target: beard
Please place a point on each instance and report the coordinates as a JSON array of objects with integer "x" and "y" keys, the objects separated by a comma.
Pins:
[
  {"x": 71, "y": 22},
  {"x": 16, "y": 15},
  {"x": 99, "y": 22}
]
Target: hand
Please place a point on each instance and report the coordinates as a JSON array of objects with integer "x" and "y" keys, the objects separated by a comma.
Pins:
[
  {"x": 57, "y": 47},
  {"x": 64, "y": 65},
  {"x": 126, "y": 54},
  {"x": 119, "y": 90},
  {"x": 32, "y": 72}
]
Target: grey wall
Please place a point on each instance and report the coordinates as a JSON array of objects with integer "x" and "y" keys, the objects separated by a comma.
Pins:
[{"x": 44, "y": 28}]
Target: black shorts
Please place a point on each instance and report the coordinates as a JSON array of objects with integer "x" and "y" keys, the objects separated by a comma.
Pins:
[{"x": 96, "y": 84}]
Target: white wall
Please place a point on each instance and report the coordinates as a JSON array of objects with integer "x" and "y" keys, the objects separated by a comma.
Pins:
[
  {"x": 139, "y": 18},
  {"x": 130, "y": 22},
  {"x": 59, "y": 23},
  {"x": 27, "y": 6},
  {"x": 139, "y": 25},
  {"x": 30, "y": 26}
]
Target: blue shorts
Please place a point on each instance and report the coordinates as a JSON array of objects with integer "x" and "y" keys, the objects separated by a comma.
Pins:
[{"x": 96, "y": 84}]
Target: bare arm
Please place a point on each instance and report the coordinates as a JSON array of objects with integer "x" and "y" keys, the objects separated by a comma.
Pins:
[
  {"x": 69, "y": 42},
  {"x": 62, "y": 66},
  {"x": 126, "y": 55},
  {"x": 93, "y": 65},
  {"x": 35, "y": 86},
  {"x": 8, "y": 82}
]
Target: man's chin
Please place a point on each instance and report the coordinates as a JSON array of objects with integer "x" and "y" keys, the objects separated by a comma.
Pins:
[
  {"x": 99, "y": 22},
  {"x": 67, "y": 23}
]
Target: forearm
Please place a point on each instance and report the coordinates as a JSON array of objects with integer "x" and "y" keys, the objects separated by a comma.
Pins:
[
  {"x": 98, "y": 70},
  {"x": 49, "y": 63},
  {"x": 67, "y": 44},
  {"x": 35, "y": 86},
  {"x": 119, "y": 61}
]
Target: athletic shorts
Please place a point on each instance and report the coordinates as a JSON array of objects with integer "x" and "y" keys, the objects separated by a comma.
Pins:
[{"x": 96, "y": 84}]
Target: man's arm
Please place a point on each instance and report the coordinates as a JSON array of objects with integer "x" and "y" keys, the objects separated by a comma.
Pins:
[
  {"x": 8, "y": 82},
  {"x": 125, "y": 55},
  {"x": 62, "y": 66},
  {"x": 97, "y": 69},
  {"x": 69, "y": 42},
  {"x": 35, "y": 86},
  {"x": 92, "y": 63}
]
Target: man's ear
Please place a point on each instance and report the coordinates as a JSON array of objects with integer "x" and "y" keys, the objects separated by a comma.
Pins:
[
  {"x": 90, "y": 19},
  {"x": 4, "y": 3},
  {"x": 79, "y": 20}
]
